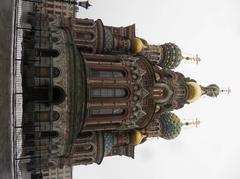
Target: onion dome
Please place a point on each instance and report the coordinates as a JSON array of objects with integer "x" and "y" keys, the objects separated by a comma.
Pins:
[
  {"x": 137, "y": 45},
  {"x": 170, "y": 125},
  {"x": 195, "y": 92},
  {"x": 172, "y": 56},
  {"x": 138, "y": 138},
  {"x": 212, "y": 90},
  {"x": 108, "y": 143}
]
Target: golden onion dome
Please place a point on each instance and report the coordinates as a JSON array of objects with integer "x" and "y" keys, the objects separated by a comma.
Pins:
[
  {"x": 137, "y": 45},
  {"x": 195, "y": 92},
  {"x": 138, "y": 137}
]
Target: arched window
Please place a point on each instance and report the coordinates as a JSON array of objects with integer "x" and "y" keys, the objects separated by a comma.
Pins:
[
  {"x": 42, "y": 52},
  {"x": 85, "y": 49},
  {"x": 84, "y": 35},
  {"x": 108, "y": 93},
  {"x": 44, "y": 72},
  {"x": 55, "y": 72},
  {"x": 45, "y": 116},
  {"x": 106, "y": 112},
  {"x": 48, "y": 134},
  {"x": 58, "y": 95},
  {"x": 84, "y": 135},
  {"x": 83, "y": 161},
  {"x": 40, "y": 94},
  {"x": 107, "y": 73},
  {"x": 84, "y": 22},
  {"x": 84, "y": 148}
]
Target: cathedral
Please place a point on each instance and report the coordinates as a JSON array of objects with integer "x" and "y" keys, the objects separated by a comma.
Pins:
[{"x": 92, "y": 91}]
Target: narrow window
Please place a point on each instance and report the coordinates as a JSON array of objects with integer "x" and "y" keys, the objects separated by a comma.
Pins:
[
  {"x": 108, "y": 92},
  {"x": 40, "y": 94},
  {"x": 41, "y": 52},
  {"x": 85, "y": 49},
  {"x": 83, "y": 161},
  {"x": 85, "y": 135},
  {"x": 58, "y": 7},
  {"x": 83, "y": 22},
  {"x": 58, "y": 95},
  {"x": 83, "y": 148},
  {"x": 50, "y": 11},
  {"x": 106, "y": 112},
  {"x": 107, "y": 73},
  {"x": 44, "y": 72},
  {"x": 45, "y": 116},
  {"x": 50, "y": 5},
  {"x": 58, "y": 12},
  {"x": 84, "y": 35},
  {"x": 55, "y": 72}
]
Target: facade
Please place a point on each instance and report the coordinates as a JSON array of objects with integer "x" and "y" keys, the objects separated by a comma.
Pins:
[{"x": 93, "y": 91}]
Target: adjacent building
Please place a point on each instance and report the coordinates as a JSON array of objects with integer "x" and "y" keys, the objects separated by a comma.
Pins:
[{"x": 52, "y": 7}]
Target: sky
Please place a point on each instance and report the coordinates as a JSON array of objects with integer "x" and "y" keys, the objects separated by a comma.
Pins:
[{"x": 210, "y": 29}]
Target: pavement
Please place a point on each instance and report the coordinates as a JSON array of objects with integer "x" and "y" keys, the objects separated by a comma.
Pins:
[{"x": 6, "y": 15}]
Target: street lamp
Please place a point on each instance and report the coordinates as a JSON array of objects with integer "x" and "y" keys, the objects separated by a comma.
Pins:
[{"x": 84, "y": 4}]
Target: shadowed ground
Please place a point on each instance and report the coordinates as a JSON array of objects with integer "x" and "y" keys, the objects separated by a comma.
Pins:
[{"x": 6, "y": 11}]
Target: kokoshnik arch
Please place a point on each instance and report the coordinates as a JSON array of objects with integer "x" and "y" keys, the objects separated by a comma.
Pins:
[{"x": 98, "y": 91}]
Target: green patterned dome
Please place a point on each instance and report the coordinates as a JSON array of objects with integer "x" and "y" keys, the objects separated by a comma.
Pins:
[
  {"x": 170, "y": 125},
  {"x": 172, "y": 56}
]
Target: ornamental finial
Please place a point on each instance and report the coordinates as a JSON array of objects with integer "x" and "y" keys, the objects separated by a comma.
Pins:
[
  {"x": 195, "y": 123},
  {"x": 226, "y": 91},
  {"x": 196, "y": 59}
]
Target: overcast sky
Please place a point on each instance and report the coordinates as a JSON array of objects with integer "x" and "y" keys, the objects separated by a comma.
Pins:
[{"x": 210, "y": 29}]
